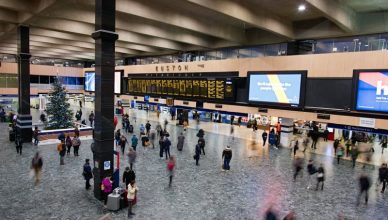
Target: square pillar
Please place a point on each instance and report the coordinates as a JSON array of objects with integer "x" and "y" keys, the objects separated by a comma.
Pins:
[
  {"x": 105, "y": 38},
  {"x": 24, "y": 119}
]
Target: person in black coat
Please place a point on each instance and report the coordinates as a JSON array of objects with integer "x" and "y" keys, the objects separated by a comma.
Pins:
[
  {"x": 128, "y": 176},
  {"x": 227, "y": 156},
  {"x": 166, "y": 146},
  {"x": 320, "y": 177},
  {"x": 264, "y": 136},
  {"x": 383, "y": 176},
  {"x": 201, "y": 143},
  {"x": 87, "y": 173},
  {"x": 197, "y": 154},
  {"x": 161, "y": 145},
  {"x": 364, "y": 187}
]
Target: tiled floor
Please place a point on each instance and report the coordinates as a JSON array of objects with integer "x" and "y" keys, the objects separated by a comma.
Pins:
[{"x": 259, "y": 177}]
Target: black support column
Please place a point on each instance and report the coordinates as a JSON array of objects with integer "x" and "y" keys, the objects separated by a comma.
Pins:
[
  {"x": 105, "y": 38},
  {"x": 24, "y": 120}
]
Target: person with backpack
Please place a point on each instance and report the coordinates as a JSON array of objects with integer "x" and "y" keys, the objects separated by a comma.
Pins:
[
  {"x": 36, "y": 166},
  {"x": 383, "y": 176},
  {"x": 117, "y": 137},
  {"x": 201, "y": 142},
  {"x": 76, "y": 144},
  {"x": 152, "y": 137},
  {"x": 298, "y": 166},
  {"x": 134, "y": 141},
  {"x": 61, "y": 148},
  {"x": 227, "y": 156},
  {"x": 87, "y": 174},
  {"x": 170, "y": 169},
  {"x": 320, "y": 177},
  {"x": 68, "y": 144},
  {"x": 35, "y": 135}
]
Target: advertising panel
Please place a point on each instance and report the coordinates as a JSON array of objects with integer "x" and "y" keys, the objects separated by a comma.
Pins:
[
  {"x": 90, "y": 81},
  {"x": 372, "y": 91}
]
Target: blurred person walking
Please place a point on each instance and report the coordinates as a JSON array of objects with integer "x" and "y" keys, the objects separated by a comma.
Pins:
[
  {"x": 384, "y": 143},
  {"x": 36, "y": 166},
  {"x": 311, "y": 170},
  {"x": 122, "y": 143},
  {"x": 296, "y": 147},
  {"x": 298, "y": 166},
  {"x": 197, "y": 154},
  {"x": 61, "y": 148},
  {"x": 320, "y": 177},
  {"x": 340, "y": 153},
  {"x": 166, "y": 146},
  {"x": 201, "y": 143},
  {"x": 19, "y": 144},
  {"x": 117, "y": 137},
  {"x": 152, "y": 137},
  {"x": 131, "y": 157},
  {"x": 161, "y": 146},
  {"x": 148, "y": 127},
  {"x": 364, "y": 183},
  {"x": 134, "y": 141},
  {"x": 35, "y": 135},
  {"x": 264, "y": 136},
  {"x": 170, "y": 169},
  {"x": 354, "y": 154},
  {"x": 383, "y": 176}
]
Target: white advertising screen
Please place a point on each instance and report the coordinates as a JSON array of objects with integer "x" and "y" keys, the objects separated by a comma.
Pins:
[{"x": 117, "y": 82}]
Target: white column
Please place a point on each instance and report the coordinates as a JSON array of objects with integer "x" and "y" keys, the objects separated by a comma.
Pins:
[{"x": 286, "y": 134}]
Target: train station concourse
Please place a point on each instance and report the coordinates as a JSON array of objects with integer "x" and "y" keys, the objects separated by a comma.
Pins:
[{"x": 193, "y": 109}]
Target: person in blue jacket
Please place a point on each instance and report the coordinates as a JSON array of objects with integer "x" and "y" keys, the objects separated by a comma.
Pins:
[{"x": 134, "y": 141}]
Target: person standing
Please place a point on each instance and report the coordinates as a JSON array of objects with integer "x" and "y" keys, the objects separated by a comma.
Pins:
[
  {"x": 131, "y": 157},
  {"x": 364, "y": 184},
  {"x": 123, "y": 142},
  {"x": 383, "y": 176},
  {"x": 117, "y": 137},
  {"x": 325, "y": 135},
  {"x": 132, "y": 191},
  {"x": 197, "y": 154},
  {"x": 148, "y": 127},
  {"x": 170, "y": 169},
  {"x": 68, "y": 144},
  {"x": 158, "y": 129},
  {"x": 264, "y": 136},
  {"x": 128, "y": 176},
  {"x": 62, "y": 152},
  {"x": 354, "y": 154},
  {"x": 36, "y": 135},
  {"x": 19, "y": 144},
  {"x": 106, "y": 187},
  {"x": 134, "y": 141},
  {"x": 384, "y": 144},
  {"x": 76, "y": 144},
  {"x": 76, "y": 131},
  {"x": 91, "y": 118},
  {"x": 340, "y": 153},
  {"x": 227, "y": 156},
  {"x": 87, "y": 173},
  {"x": 166, "y": 146},
  {"x": 36, "y": 166},
  {"x": 320, "y": 177},
  {"x": 181, "y": 141},
  {"x": 161, "y": 145}
]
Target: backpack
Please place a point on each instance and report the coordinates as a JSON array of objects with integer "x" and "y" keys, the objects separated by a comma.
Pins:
[
  {"x": 59, "y": 147},
  {"x": 76, "y": 142},
  {"x": 170, "y": 166}
]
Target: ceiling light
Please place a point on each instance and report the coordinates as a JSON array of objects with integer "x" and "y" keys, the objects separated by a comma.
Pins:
[{"x": 301, "y": 7}]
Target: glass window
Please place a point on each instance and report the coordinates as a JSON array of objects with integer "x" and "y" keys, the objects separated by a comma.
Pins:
[
  {"x": 34, "y": 79},
  {"x": 52, "y": 79},
  {"x": 44, "y": 79},
  {"x": 71, "y": 81}
]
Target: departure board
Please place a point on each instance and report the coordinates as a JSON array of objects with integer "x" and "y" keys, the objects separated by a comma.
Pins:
[
  {"x": 211, "y": 89},
  {"x": 202, "y": 88},
  {"x": 220, "y": 89}
]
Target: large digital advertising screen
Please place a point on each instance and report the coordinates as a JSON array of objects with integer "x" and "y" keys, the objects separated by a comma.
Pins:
[
  {"x": 90, "y": 81},
  {"x": 372, "y": 91},
  {"x": 277, "y": 88}
]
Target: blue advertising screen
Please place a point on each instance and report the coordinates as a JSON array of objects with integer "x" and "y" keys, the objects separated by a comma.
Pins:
[
  {"x": 275, "y": 88},
  {"x": 89, "y": 81},
  {"x": 372, "y": 92}
]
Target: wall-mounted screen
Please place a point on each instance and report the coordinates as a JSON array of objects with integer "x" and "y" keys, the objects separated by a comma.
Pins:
[
  {"x": 117, "y": 82},
  {"x": 90, "y": 81},
  {"x": 277, "y": 88},
  {"x": 371, "y": 91}
]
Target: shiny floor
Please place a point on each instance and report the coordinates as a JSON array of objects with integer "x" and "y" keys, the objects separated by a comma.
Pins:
[{"x": 260, "y": 177}]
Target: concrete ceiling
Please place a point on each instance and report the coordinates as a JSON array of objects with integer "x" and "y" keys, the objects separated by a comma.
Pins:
[{"x": 62, "y": 28}]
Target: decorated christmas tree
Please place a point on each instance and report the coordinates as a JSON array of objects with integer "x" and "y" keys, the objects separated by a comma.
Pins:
[{"x": 58, "y": 109}]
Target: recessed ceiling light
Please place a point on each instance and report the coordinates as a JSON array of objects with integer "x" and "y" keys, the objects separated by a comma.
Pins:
[{"x": 301, "y": 7}]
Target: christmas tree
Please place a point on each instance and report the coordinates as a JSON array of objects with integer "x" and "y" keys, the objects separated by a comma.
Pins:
[{"x": 58, "y": 109}]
